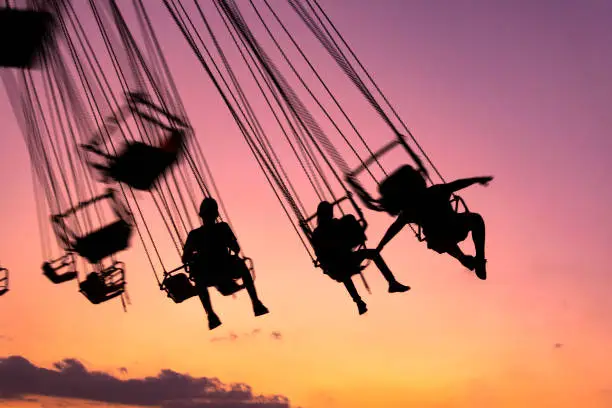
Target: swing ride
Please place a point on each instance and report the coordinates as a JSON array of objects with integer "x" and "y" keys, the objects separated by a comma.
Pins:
[
  {"x": 4, "y": 281},
  {"x": 113, "y": 151},
  {"x": 99, "y": 137}
]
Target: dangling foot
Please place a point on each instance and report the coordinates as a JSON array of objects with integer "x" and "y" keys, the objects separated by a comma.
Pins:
[
  {"x": 362, "y": 307},
  {"x": 469, "y": 262},
  {"x": 481, "y": 269},
  {"x": 213, "y": 321},
  {"x": 259, "y": 309},
  {"x": 395, "y": 287}
]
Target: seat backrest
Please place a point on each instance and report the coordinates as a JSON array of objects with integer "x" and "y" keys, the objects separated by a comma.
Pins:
[{"x": 178, "y": 287}]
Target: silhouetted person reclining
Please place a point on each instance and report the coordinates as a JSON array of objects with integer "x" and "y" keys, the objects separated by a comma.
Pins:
[
  {"x": 334, "y": 241},
  {"x": 207, "y": 250},
  {"x": 430, "y": 208}
]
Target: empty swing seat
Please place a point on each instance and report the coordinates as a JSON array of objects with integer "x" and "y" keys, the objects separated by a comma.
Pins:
[
  {"x": 101, "y": 286},
  {"x": 50, "y": 272},
  {"x": 22, "y": 34},
  {"x": 104, "y": 242},
  {"x": 141, "y": 165},
  {"x": 178, "y": 287},
  {"x": 52, "y": 268}
]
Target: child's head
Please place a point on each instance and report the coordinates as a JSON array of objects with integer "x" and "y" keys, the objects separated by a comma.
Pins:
[
  {"x": 400, "y": 187},
  {"x": 209, "y": 209},
  {"x": 325, "y": 211}
]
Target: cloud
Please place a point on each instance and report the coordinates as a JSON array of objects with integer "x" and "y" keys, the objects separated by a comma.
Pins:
[
  {"x": 558, "y": 345},
  {"x": 5, "y": 337},
  {"x": 231, "y": 337},
  {"x": 70, "y": 379},
  {"x": 276, "y": 335}
]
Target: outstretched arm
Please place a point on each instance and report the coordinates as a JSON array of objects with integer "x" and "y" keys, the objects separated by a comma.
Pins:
[
  {"x": 463, "y": 183},
  {"x": 392, "y": 231}
]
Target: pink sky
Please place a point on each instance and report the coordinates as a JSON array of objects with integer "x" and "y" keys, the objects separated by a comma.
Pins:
[{"x": 519, "y": 90}]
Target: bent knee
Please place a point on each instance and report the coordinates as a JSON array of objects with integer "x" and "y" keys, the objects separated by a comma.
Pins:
[{"x": 474, "y": 218}]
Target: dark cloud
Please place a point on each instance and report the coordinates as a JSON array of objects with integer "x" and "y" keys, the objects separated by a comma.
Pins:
[
  {"x": 5, "y": 337},
  {"x": 558, "y": 345},
  {"x": 70, "y": 379},
  {"x": 276, "y": 335}
]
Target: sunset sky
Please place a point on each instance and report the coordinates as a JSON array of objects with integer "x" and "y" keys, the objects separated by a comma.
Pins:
[{"x": 520, "y": 90}]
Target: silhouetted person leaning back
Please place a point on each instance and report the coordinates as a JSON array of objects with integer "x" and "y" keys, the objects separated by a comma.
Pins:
[
  {"x": 334, "y": 241},
  {"x": 431, "y": 208},
  {"x": 207, "y": 250}
]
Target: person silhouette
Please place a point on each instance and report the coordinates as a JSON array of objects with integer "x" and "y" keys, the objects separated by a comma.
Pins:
[
  {"x": 405, "y": 194},
  {"x": 334, "y": 241},
  {"x": 212, "y": 254}
]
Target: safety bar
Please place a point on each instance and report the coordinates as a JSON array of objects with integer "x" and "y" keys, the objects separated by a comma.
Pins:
[
  {"x": 109, "y": 194},
  {"x": 375, "y": 156},
  {"x": 249, "y": 262},
  {"x": 134, "y": 97},
  {"x": 338, "y": 201}
]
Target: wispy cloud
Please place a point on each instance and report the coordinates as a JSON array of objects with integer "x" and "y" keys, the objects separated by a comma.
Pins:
[{"x": 276, "y": 335}]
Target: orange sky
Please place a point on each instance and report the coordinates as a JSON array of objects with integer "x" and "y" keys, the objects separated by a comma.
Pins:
[{"x": 516, "y": 90}]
